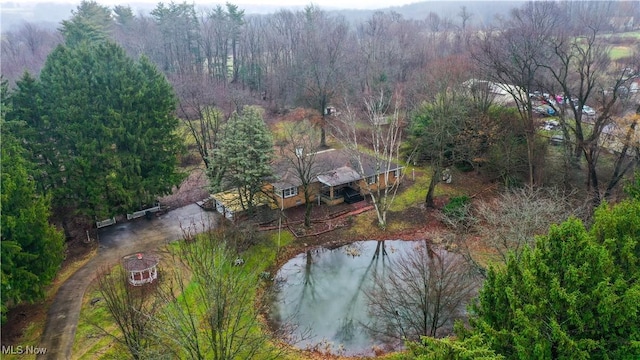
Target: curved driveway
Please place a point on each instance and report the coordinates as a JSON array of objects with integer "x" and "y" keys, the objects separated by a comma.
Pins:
[{"x": 115, "y": 242}]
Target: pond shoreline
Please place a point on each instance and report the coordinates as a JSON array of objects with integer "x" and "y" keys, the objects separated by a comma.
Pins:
[{"x": 323, "y": 291}]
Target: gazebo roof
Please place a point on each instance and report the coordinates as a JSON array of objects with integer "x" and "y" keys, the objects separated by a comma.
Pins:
[{"x": 139, "y": 261}]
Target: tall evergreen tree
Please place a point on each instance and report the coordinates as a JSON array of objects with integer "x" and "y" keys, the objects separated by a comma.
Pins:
[
  {"x": 32, "y": 249},
  {"x": 180, "y": 31},
  {"x": 101, "y": 127},
  {"x": 243, "y": 159},
  {"x": 90, "y": 22},
  {"x": 618, "y": 230}
]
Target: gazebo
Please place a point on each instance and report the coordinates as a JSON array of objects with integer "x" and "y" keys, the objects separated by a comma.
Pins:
[{"x": 142, "y": 268}]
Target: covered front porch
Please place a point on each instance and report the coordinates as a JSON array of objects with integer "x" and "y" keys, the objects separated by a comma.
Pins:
[{"x": 338, "y": 183}]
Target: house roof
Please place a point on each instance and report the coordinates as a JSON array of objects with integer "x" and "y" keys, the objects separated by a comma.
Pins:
[
  {"x": 333, "y": 167},
  {"x": 502, "y": 93},
  {"x": 339, "y": 176},
  {"x": 285, "y": 176},
  {"x": 231, "y": 200}
]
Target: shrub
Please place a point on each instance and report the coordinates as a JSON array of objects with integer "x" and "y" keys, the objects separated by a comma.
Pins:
[{"x": 458, "y": 207}]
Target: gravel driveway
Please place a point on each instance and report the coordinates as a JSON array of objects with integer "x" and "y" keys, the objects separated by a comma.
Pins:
[{"x": 116, "y": 241}]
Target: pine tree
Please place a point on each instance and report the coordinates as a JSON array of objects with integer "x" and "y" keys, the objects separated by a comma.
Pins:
[
  {"x": 102, "y": 129},
  {"x": 91, "y": 22},
  {"x": 243, "y": 159},
  {"x": 32, "y": 249}
]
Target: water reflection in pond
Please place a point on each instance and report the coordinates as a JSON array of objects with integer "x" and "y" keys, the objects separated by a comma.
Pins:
[{"x": 321, "y": 290}]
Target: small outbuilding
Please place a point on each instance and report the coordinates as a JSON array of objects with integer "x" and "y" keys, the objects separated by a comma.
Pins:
[{"x": 142, "y": 268}]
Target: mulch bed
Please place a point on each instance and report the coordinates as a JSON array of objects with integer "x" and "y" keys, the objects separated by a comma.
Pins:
[{"x": 324, "y": 219}]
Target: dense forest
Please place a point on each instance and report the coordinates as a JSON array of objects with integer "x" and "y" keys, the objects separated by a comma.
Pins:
[{"x": 101, "y": 115}]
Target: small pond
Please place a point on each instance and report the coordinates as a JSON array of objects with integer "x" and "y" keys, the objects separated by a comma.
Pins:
[{"x": 321, "y": 294}]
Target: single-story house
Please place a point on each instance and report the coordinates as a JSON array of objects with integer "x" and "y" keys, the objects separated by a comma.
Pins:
[{"x": 335, "y": 179}]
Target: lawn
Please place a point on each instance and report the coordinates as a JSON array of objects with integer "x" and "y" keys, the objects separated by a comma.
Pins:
[
  {"x": 91, "y": 342},
  {"x": 418, "y": 180},
  {"x": 620, "y": 52},
  {"x": 629, "y": 34},
  {"x": 621, "y": 43}
]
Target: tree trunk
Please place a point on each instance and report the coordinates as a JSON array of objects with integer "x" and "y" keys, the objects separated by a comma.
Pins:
[
  {"x": 323, "y": 135},
  {"x": 432, "y": 186},
  {"x": 307, "y": 207},
  {"x": 619, "y": 170},
  {"x": 530, "y": 156},
  {"x": 592, "y": 179}
]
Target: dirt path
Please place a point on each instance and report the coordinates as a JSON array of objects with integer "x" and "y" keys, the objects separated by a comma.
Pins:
[{"x": 115, "y": 242}]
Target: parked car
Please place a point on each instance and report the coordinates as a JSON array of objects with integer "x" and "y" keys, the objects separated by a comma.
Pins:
[
  {"x": 544, "y": 110},
  {"x": 536, "y": 95},
  {"x": 587, "y": 110}
]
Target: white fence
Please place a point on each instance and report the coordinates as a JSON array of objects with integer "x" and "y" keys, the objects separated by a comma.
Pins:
[
  {"x": 142, "y": 213},
  {"x": 135, "y": 215},
  {"x": 103, "y": 223}
]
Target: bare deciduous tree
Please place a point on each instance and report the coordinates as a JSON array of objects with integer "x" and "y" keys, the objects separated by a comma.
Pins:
[
  {"x": 320, "y": 72},
  {"x": 464, "y": 16},
  {"x": 130, "y": 307},
  {"x": 509, "y": 57},
  {"x": 26, "y": 49},
  {"x": 298, "y": 148},
  {"x": 510, "y": 222},
  {"x": 578, "y": 64},
  {"x": 203, "y": 121},
  {"x": 384, "y": 125},
  {"x": 495, "y": 229},
  {"x": 209, "y": 310}
]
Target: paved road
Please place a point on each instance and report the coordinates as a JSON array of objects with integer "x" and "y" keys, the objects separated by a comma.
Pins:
[{"x": 116, "y": 241}]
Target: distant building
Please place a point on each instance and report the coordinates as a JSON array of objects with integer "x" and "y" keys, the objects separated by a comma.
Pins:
[{"x": 501, "y": 94}]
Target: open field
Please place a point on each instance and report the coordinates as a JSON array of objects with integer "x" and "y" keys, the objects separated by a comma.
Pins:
[{"x": 619, "y": 52}]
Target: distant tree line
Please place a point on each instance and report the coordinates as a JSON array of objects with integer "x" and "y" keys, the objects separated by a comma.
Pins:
[{"x": 223, "y": 58}]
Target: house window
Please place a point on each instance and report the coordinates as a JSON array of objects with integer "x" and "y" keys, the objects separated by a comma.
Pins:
[
  {"x": 372, "y": 179},
  {"x": 289, "y": 192},
  {"x": 397, "y": 173}
]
